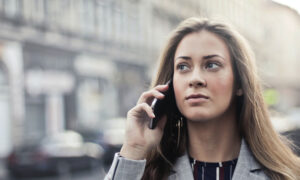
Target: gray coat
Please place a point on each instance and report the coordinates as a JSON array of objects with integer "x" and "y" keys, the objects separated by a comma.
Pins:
[{"x": 247, "y": 168}]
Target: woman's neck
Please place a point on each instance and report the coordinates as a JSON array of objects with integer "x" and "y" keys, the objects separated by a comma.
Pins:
[{"x": 214, "y": 140}]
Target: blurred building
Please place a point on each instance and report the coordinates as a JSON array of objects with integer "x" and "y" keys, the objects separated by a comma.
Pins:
[
  {"x": 282, "y": 37},
  {"x": 70, "y": 64}
]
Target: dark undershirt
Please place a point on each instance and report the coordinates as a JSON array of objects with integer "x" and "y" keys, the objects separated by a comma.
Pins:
[{"x": 213, "y": 171}]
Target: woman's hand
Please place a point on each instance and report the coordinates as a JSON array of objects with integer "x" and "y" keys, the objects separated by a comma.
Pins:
[{"x": 139, "y": 138}]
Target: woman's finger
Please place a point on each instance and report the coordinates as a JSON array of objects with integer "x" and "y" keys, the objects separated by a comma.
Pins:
[
  {"x": 162, "y": 87},
  {"x": 143, "y": 108},
  {"x": 156, "y": 92},
  {"x": 148, "y": 96}
]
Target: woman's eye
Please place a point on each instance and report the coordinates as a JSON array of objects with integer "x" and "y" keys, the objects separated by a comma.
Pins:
[
  {"x": 182, "y": 67},
  {"x": 212, "y": 65}
]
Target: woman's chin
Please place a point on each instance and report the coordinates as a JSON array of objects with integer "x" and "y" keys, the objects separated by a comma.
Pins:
[
  {"x": 198, "y": 120},
  {"x": 198, "y": 117}
]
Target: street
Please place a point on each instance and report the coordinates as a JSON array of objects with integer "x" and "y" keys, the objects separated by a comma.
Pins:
[{"x": 94, "y": 174}]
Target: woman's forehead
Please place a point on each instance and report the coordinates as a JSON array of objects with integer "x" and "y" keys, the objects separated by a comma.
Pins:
[{"x": 202, "y": 43}]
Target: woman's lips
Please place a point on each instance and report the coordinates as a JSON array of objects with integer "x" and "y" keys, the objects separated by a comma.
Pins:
[{"x": 196, "y": 98}]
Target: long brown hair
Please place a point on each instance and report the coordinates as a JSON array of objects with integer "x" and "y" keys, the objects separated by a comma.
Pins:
[{"x": 269, "y": 148}]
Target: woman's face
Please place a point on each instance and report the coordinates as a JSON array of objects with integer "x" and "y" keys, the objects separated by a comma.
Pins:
[{"x": 203, "y": 77}]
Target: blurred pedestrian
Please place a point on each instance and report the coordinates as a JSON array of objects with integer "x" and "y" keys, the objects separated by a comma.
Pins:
[{"x": 217, "y": 127}]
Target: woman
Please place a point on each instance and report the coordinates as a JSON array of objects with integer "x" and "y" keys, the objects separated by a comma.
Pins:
[{"x": 219, "y": 127}]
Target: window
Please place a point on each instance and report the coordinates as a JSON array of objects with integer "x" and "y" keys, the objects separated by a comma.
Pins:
[{"x": 11, "y": 7}]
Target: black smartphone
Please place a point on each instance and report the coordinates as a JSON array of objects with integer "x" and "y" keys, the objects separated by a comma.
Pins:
[{"x": 161, "y": 106}]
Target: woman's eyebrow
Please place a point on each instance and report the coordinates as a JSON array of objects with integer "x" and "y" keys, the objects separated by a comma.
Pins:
[
  {"x": 212, "y": 56},
  {"x": 184, "y": 57},
  {"x": 204, "y": 57}
]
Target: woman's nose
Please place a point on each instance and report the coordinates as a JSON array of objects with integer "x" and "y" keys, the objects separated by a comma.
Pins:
[{"x": 197, "y": 80}]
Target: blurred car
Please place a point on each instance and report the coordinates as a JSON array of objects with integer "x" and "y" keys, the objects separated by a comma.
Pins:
[
  {"x": 109, "y": 135},
  {"x": 294, "y": 136},
  {"x": 113, "y": 135},
  {"x": 56, "y": 154}
]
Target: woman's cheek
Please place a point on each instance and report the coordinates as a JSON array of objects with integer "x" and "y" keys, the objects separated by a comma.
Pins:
[{"x": 225, "y": 87}]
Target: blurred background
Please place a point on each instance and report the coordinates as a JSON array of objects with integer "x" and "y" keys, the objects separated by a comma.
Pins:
[{"x": 71, "y": 69}]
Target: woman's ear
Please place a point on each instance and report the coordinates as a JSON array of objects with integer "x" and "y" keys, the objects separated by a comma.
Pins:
[{"x": 239, "y": 92}]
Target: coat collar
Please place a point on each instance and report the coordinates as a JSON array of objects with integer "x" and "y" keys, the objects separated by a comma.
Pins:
[
  {"x": 246, "y": 158},
  {"x": 245, "y": 167}
]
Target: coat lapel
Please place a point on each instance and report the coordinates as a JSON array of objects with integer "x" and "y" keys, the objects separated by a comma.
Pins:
[
  {"x": 247, "y": 168},
  {"x": 182, "y": 168}
]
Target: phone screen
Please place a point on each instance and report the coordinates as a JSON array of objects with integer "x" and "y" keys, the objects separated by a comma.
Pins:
[{"x": 161, "y": 106}]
